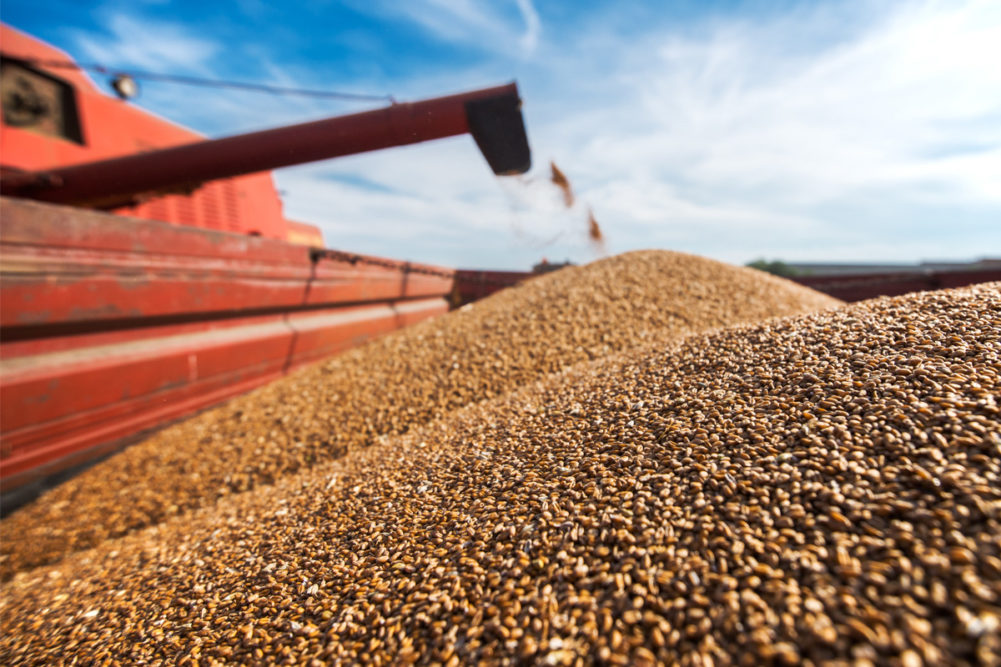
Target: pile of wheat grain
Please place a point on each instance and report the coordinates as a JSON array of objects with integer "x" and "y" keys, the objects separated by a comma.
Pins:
[
  {"x": 394, "y": 384},
  {"x": 823, "y": 489}
]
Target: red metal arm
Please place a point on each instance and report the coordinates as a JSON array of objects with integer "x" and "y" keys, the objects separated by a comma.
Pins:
[{"x": 116, "y": 182}]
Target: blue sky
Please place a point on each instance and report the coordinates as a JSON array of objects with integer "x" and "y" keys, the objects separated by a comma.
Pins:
[{"x": 847, "y": 130}]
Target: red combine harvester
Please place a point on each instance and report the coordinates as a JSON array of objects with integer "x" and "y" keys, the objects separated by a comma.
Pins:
[{"x": 146, "y": 272}]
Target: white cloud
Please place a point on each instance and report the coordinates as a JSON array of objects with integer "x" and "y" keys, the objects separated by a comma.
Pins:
[
  {"x": 148, "y": 45},
  {"x": 752, "y": 131},
  {"x": 747, "y": 139},
  {"x": 484, "y": 25},
  {"x": 846, "y": 131},
  {"x": 533, "y": 26}
]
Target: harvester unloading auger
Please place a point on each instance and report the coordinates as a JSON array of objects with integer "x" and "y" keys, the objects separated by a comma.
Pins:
[
  {"x": 154, "y": 272},
  {"x": 491, "y": 115}
]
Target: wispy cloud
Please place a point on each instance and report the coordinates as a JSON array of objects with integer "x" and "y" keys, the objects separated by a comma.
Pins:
[
  {"x": 533, "y": 26},
  {"x": 500, "y": 27},
  {"x": 147, "y": 44}
]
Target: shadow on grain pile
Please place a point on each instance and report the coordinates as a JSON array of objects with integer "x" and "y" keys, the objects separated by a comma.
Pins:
[
  {"x": 393, "y": 384},
  {"x": 823, "y": 488}
]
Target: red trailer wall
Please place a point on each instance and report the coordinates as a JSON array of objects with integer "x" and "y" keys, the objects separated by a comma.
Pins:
[
  {"x": 860, "y": 287},
  {"x": 110, "y": 325}
]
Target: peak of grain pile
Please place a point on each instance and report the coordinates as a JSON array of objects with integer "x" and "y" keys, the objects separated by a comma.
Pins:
[
  {"x": 394, "y": 383},
  {"x": 823, "y": 489}
]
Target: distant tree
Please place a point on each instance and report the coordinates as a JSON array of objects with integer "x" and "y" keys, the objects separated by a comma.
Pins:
[{"x": 775, "y": 267}]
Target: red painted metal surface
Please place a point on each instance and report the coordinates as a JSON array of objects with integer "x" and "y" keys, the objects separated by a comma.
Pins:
[
  {"x": 113, "y": 128},
  {"x": 110, "y": 325},
  {"x": 859, "y": 287},
  {"x": 55, "y": 404},
  {"x": 113, "y": 323},
  {"x": 118, "y": 180},
  {"x": 96, "y": 267},
  {"x": 472, "y": 285}
]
